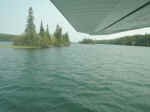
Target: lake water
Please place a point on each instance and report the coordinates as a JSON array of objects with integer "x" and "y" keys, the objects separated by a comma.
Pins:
[{"x": 80, "y": 78}]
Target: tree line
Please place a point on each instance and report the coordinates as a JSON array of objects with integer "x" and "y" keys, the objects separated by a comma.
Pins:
[
  {"x": 42, "y": 39},
  {"x": 136, "y": 40},
  {"x": 7, "y": 37}
]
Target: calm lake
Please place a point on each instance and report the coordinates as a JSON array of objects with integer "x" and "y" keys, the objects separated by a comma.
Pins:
[{"x": 80, "y": 78}]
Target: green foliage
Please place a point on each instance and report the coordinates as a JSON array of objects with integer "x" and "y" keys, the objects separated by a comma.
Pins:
[
  {"x": 58, "y": 33},
  {"x": 44, "y": 42},
  {"x": 59, "y": 38},
  {"x": 30, "y": 28},
  {"x": 7, "y": 37},
  {"x": 48, "y": 34},
  {"x": 87, "y": 41},
  {"x": 43, "y": 39},
  {"x": 42, "y": 31},
  {"x": 66, "y": 40},
  {"x": 26, "y": 41}
]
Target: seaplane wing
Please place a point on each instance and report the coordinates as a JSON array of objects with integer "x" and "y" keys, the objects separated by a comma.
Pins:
[{"x": 97, "y": 17}]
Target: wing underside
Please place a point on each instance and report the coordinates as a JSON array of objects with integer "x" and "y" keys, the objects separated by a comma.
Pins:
[{"x": 105, "y": 16}]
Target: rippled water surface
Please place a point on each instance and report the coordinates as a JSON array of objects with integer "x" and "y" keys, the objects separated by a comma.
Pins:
[{"x": 80, "y": 78}]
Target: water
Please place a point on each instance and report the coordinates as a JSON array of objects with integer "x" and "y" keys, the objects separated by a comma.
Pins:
[
  {"x": 5, "y": 43},
  {"x": 80, "y": 78}
]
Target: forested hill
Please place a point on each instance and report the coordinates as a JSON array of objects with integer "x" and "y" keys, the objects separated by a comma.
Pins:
[
  {"x": 7, "y": 37},
  {"x": 136, "y": 40}
]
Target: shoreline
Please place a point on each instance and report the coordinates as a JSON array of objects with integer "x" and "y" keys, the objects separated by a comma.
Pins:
[
  {"x": 29, "y": 47},
  {"x": 20, "y": 47}
]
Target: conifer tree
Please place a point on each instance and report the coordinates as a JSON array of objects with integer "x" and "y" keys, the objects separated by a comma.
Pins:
[
  {"x": 30, "y": 28},
  {"x": 66, "y": 37},
  {"x": 58, "y": 33},
  {"x": 42, "y": 32},
  {"x": 47, "y": 33},
  {"x": 30, "y": 36}
]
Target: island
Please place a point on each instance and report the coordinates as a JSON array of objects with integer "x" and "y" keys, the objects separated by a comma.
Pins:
[
  {"x": 31, "y": 39},
  {"x": 87, "y": 41}
]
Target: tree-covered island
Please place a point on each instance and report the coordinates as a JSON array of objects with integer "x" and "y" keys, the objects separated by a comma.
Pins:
[
  {"x": 87, "y": 41},
  {"x": 43, "y": 39}
]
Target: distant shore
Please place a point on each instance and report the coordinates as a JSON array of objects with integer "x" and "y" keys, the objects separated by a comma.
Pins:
[
  {"x": 19, "y": 47},
  {"x": 135, "y": 40}
]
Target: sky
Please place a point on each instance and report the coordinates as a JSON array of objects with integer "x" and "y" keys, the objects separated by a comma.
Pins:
[{"x": 13, "y": 15}]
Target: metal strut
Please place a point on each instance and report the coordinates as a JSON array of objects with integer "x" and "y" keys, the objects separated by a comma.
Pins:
[{"x": 129, "y": 14}]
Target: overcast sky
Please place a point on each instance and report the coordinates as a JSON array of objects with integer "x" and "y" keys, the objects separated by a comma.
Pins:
[{"x": 13, "y": 15}]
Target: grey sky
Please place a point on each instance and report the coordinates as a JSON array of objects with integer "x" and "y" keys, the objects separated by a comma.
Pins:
[{"x": 14, "y": 14}]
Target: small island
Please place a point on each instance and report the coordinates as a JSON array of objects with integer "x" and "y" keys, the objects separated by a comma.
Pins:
[
  {"x": 31, "y": 39},
  {"x": 87, "y": 41}
]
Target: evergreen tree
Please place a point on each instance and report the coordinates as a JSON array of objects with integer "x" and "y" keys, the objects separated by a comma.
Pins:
[
  {"x": 42, "y": 32},
  {"x": 30, "y": 28},
  {"x": 66, "y": 37},
  {"x": 58, "y": 33},
  {"x": 47, "y": 33},
  {"x": 30, "y": 36}
]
